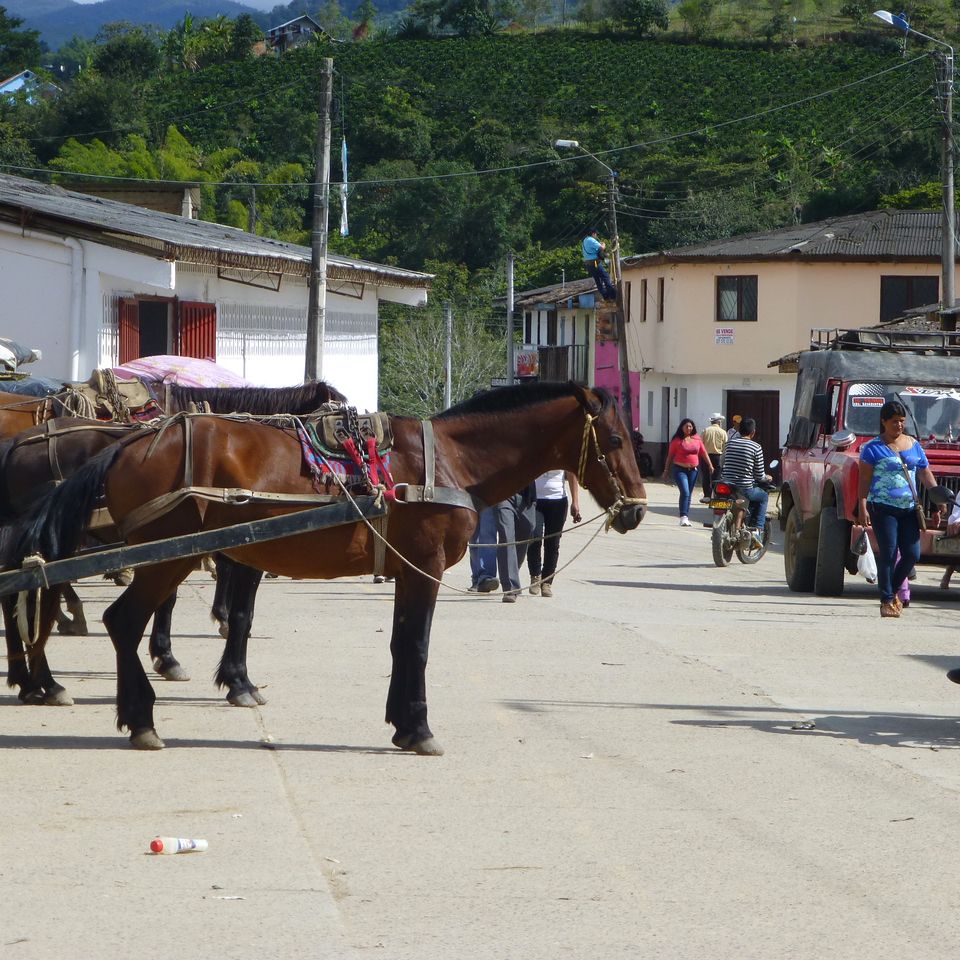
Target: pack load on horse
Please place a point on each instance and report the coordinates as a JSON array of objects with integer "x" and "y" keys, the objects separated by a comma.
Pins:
[
  {"x": 37, "y": 460},
  {"x": 206, "y": 474}
]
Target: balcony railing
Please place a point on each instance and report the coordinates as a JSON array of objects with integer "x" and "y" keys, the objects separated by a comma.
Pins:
[{"x": 559, "y": 364}]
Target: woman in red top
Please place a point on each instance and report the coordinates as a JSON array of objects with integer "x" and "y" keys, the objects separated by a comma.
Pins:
[{"x": 685, "y": 453}]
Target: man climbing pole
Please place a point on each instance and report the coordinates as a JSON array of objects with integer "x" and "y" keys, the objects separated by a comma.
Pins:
[{"x": 592, "y": 248}]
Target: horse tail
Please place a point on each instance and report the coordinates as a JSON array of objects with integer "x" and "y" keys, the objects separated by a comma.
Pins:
[
  {"x": 7, "y": 513},
  {"x": 56, "y": 526}
]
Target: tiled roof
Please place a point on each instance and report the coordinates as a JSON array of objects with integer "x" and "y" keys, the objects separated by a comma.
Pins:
[{"x": 878, "y": 235}]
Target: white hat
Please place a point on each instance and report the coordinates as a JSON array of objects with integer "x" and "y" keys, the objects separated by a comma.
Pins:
[{"x": 717, "y": 418}]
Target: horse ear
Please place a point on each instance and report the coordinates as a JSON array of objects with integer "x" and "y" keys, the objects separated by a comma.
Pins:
[{"x": 587, "y": 398}]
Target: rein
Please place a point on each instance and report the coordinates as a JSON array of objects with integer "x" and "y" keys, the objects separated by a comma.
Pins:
[{"x": 621, "y": 500}]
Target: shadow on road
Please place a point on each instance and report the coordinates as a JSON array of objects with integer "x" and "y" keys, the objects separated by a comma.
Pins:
[{"x": 119, "y": 742}]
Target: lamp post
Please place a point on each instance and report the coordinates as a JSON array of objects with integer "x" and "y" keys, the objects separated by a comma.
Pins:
[
  {"x": 625, "y": 395},
  {"x": 944, "y": 88}
]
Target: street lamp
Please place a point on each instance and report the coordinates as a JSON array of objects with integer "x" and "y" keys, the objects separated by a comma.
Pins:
[
  {"x": 625, "y": 398},
  {"x": 944, "y": 61}
]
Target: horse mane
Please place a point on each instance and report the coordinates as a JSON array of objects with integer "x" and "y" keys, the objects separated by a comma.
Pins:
[
  {"x": 256, "y": 400},
  {"x": 504, "y": 399}
]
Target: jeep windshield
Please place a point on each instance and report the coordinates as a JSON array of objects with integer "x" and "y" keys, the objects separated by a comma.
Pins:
[{"x": 931, "y": 411}]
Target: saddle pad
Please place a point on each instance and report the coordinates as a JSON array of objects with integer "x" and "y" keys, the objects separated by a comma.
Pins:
[{"x": 323, "y": 464}]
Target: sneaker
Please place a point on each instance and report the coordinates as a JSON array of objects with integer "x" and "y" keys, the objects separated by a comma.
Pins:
[
  {"x": 490, "y": 585},
  {"x": 756, "y": 539},
  {"x": 473, "y": 588},
  {"x": 546, "y": 590},
  {"x": 705, "y": 499},
  {"x": 509, "y": 598},
  {"x": 535, "y": 588},
  {"x": 684, "y": 522}
]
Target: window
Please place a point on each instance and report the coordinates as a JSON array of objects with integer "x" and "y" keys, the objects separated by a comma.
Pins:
[
  {"x": 659, "y": 299},
  {"x": 527, "y": 327},
  {"x": 643, "y": 300},
  {"x": 628, "y": 286},
  {"x": 552, "y": 328},
  {"x": 736, "y": 298},
  {"x": 649, "y": 408},
  {"x": 898, "y": 294}
]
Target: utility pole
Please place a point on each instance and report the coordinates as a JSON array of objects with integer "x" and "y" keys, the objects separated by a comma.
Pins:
[
  {"x": 317, "y": 308},
  {"x": 626, "y": 401},
  {"x": 945, "y": 73},
  {"x": 511, "y": 348},
  {"x": 252, "y": 211},
  {"x": 448, "y": 372}
]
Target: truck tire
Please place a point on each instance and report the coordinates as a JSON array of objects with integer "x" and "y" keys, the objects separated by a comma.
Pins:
[
  {"x": 799, "y": 567},
  {"x": 832, "y": 548}
]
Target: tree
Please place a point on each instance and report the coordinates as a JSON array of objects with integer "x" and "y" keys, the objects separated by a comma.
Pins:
[
  {"x": 641, "y": 15},
  {"x": 125, "y": 52},
  {"x": 469, "y": 18},
  {"x": 413, "y": 346},
  {"x": 245, "y": 34},
  {"x": 19, "y": 49}
]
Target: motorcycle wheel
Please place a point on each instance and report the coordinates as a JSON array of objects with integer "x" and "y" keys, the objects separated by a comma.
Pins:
[
  {"x": 720, "y": 540},
  {"x": 749, "y": 552}
]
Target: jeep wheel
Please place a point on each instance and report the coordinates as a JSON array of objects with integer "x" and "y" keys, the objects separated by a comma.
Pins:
[
  {"x": 720, "y": 540},
  {"x": 799, "y": 567},
  {"x": 832, "y": 548}
]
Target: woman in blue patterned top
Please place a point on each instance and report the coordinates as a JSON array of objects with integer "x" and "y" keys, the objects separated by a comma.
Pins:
[{"x": 887, "y": 501}]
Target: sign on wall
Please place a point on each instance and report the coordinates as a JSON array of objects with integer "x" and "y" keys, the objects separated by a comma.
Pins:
[
  {"x": 723, "y": 335},
  {"x": 527, "y": 360}
]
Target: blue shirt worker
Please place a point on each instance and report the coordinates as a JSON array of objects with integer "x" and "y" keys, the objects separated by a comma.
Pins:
[{"x": 592, "y": 248}]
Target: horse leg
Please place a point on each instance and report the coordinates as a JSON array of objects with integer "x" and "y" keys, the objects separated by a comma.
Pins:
[
  {"x": 161, "y": 646},
  {"x": 126, "y": 620},
  {"x": 220, "y": 610},
  {"x": 78, "y": 626},
  {"x": 240, "y": 597},
  {"x": 414, "y": 601},
  {"x": 30, "y": 671}
]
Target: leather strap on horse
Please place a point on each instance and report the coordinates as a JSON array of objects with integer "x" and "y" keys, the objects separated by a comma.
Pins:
[{"x": 429, "y": 492}]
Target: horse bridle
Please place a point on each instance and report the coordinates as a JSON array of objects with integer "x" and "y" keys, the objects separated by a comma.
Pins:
[{"x": 621, "y": 500}]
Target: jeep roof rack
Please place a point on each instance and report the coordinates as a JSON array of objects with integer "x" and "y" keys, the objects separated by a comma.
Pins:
[{"x": 942, "y": 343}]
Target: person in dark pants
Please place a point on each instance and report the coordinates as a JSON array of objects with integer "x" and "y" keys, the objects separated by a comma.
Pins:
[
  {"x": 592, "y": 250},
  {"x": 516, "y": 520},
  {"x": 890, "y": 466},
  {"x": 551, "y": 515}
]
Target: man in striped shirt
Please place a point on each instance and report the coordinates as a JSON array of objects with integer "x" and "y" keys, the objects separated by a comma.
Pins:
[{"x": 743, "y": 469}]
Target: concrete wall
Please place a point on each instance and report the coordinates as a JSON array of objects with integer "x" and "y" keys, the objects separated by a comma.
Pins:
[{"x": 689, "y": 350}]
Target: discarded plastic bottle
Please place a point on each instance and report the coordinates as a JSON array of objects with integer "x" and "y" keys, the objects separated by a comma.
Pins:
[{"x": 177, "y": 845}]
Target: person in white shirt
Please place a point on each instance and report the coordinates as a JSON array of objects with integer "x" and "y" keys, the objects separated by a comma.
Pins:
[{"x": 551, "y": 515}]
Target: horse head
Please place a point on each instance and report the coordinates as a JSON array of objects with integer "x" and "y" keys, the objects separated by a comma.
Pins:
[{"x": 608, "y": 466}]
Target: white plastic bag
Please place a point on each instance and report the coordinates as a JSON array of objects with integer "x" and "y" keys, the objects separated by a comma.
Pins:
[{"x": 867, "y": 565}]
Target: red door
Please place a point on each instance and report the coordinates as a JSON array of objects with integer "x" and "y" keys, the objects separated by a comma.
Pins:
[
  {"x": 129, "y": 331},
  {"x": 198, "y": 330}
]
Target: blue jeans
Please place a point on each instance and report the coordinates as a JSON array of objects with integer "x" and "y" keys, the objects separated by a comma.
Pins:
[
  {"x": 895, "y": 529},
  {"x": 758, "y": 498},
  {"x": 601, "y": 278},
  {"x": 483, "y": 560},
  {"x": 686, "y": 479}
]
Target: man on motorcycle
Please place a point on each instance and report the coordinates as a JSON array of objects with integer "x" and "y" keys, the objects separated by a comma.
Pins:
[{"x": 743, "y": 469}]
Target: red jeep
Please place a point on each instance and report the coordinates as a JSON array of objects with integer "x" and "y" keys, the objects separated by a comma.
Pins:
[{"x": 841, "y": 385}]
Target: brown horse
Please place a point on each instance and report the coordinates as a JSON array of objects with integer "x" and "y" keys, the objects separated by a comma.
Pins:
[
  {"x": 485, "y": 450},
  {"x": 40, "y": 457}
]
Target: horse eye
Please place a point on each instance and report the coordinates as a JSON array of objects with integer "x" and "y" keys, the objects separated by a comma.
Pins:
[{"x": 616, "y": 441}]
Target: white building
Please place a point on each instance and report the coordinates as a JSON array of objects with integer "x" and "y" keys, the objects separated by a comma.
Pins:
[{"x": 93, "y": 282}]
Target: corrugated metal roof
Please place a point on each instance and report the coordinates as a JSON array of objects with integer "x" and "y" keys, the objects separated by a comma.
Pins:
[
  {"x": 556, "y": 292},
  {"x": 878, "y": 235},
  {"x": 32, "y": 204}
]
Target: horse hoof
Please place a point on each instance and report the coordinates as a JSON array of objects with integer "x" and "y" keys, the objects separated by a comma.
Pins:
[
  {"x": 58, "y": 698},
  {"x": 429, "y": 747},
  {"x": 243, "y": 699},
  {"x": 146, "y": 739},
  {"x": 31, "y": 698},
  {"x": 171, "y": 672},
  {"x": 258, "y": 696}
]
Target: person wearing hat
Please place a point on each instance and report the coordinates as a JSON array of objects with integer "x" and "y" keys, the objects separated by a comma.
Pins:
[
  {"x": 715, "y": 440},
  {"x": 592, "y": 248}
]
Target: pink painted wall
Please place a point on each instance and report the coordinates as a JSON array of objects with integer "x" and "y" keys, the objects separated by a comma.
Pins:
[{"x": 607, "y": 374}]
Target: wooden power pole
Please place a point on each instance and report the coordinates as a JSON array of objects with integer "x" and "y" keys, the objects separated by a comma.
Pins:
[{"x": 317, "y": 307}]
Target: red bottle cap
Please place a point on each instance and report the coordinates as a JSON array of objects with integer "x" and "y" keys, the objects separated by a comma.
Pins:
[{"x": 156, "y": 845}]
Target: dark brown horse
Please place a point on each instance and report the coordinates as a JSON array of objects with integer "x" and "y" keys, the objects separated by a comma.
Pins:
[
  {"x": 485, "y": 449},
  {"x": 38, "y": 458}
]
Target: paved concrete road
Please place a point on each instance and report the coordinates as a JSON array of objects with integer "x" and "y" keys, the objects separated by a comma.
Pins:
[{"x": 623, "y": 777}]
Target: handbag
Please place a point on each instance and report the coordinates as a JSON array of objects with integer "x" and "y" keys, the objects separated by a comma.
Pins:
[{"x": 921, "y": 519}]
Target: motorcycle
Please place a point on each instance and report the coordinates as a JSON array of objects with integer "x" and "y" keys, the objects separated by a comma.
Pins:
[{"x": 730, "y": 534}]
